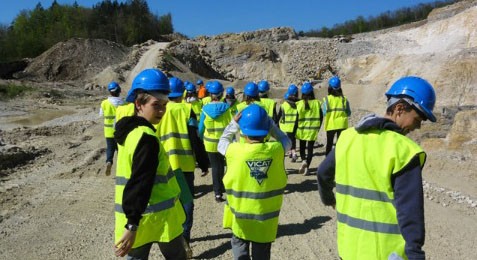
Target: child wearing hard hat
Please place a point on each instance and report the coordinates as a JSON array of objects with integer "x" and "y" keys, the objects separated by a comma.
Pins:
[
  {"x": 108, "y": 111},
  {"x": 254, "y": 182}
]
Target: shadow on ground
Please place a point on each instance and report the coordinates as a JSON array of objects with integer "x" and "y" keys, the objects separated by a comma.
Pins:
[{"x": 302, "y": 228}]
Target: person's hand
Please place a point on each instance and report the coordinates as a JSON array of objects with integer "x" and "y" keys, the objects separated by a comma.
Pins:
[
  {"x": 237, "y": 116},
  {"x": 125, "y": 243}
]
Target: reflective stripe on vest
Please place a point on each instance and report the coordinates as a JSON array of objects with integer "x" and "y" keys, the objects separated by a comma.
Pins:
[
  {"x": 254, "y": 184},
  {"x": 109, "y": 115},
  {"x": 308, "y": 120},
  {"x": 367, "y": 221},
  {"x": 214, "y": 129},
  {"x": 163, "y": 218},
  {"x": 172, "y": 131},
  {"x": 288, "y": 119},
  {"x": 336, "y": 116}
]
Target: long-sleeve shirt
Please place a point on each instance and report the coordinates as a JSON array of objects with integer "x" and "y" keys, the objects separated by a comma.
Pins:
[{"x": 407, "y": 186}]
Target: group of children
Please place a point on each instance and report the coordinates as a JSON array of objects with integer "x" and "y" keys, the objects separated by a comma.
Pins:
[{"x": 166, "y": 129}]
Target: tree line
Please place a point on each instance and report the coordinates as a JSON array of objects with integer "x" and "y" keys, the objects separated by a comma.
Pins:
[
  {"x": 384, "y": 20},
  {"x": 34, "y": 31}
]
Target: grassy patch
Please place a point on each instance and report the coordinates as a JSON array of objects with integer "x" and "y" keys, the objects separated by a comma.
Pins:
[{"x": 11, "y": 91}]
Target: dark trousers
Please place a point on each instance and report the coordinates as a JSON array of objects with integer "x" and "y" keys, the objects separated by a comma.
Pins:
[
  {"x": 189, "y": 207},
  {"x": 111, "y": 147},
  {"x": 293, "y": 140},
  {"x": 330, "y": 136},
  {"x": 308, "y": 145},
  {"x": 217, "y": 163},
  {"x": 241, "y": 249},
  {"x": 173, "y": 250}
]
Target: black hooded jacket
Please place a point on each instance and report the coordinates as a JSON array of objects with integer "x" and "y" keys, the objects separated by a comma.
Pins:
[{"x": 143, "y": 171}]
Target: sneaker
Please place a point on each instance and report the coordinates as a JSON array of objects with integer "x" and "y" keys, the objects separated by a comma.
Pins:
[
  {"x": 294, "y": 158},
  {"x": 218, "y": 198},
  {"x": 108, "y": 168},
  {"x": 303, "y": 168}
]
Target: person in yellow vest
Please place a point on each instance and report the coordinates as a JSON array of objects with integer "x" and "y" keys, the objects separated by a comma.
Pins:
[
  {"x": 336, "y": 111},
  {"x": 288, "y": 118},
  {"x": 254, "y": 182},
  {"x": 231, "y": 99},
  {"x": 310, "y": 117},
  {"x": 267, "y": 103},
  {"x": 191, "y": 98},
  {"x": 215, "y": 117},
  {"x": 108, "y": 111},
  {"x": 147, "y": 205},
  {"x": 179, "y": 136},
  {"x": 251, "y": 95},
  {"x": 378, "y": 173}
]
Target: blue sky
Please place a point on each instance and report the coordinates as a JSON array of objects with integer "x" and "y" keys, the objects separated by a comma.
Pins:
[{"x": 212, "y": 17}]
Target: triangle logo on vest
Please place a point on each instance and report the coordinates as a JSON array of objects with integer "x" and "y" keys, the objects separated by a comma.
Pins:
[{"x": 259, "y": 169}]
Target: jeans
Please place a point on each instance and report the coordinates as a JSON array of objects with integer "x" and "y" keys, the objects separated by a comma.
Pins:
[
  {"x": 173, "y": 250},
  {"x": 330, "y": 135},
  {"x": 111, "y": 147},
  {"x": 189, "y": 207},
  {"x": 292, "y": 139},
  {"x": 309, "y": 151},
  {"x": 217, "y": 163},
  {"x": 241, "y": 249}
]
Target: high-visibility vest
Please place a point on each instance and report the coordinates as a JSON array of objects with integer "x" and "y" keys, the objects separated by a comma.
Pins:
[
  {"x": 124, "y": 110},
  {"x": 233, "y": 108},
  {"x": 308, "y": 120},
  {"x": 254, "y": 182},
  {"x": 242, "y": 105},
  {"x": 197, "y": 107},
  {"x": 109, "y": 115},
  {"x": 336, "y": 116},
  {"x": 288, "y": 119},
  {"x": 172, "y": 131},
  {"x": 365, "y": 163},
  {"x": 206, "y": 100},
  {"x": 214, "y": 129},
  {"x": 162, "y": 220},
  {"x": 269, "y": 105}
]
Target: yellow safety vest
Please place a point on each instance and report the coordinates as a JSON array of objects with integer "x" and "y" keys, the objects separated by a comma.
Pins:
[
  {"x": 288, "y": 119},
  {"x": 242, "y": 105},
  {"x": 336, "y": 116},
  {"x": 124, "y": 110},
  {"x": 254, "y": 182},
  {"x": 172, "y": 131},
  {"x": 367, "y": 221},
  {"x": 308, "y": 120},
  {"x": 214, "y": 129},
  {"x": 197, "y": 107},
  {"x": 109, "y": 115},
  {"x": 206, "y": 100},
  {"x": 269, "y": 105},
  {"x": 164, "y": 215}
]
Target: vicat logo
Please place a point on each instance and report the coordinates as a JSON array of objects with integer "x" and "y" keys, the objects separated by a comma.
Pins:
[{"x": 259, "y": 169}]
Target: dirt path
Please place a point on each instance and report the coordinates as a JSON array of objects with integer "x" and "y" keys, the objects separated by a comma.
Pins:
[{"x": 60, "y": 206}]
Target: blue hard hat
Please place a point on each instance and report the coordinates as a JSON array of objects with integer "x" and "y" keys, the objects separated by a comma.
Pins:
[
  {"x": 208, "y": 85},
  {"x": 114, "y": 86},
  {"x": 148, "y": 80},
  {"x": 216, "y": 88},
  {"x": 190, "y": 87},
  {"x": 306, "y": 88},
  {"x": 251, "y": 89},
  {"x": 177, "y": 87},
  {"x": 334, "y": 82},
  {"x": 263, "y": 86},
  {"x": 286, "y": 95},
  {"x": 230, "y": 91},
  {"x": 292, "y": 90},
  {"x": 419, "y": 90},
  {"x": 200, "y": 82},
  {"x": 254, "y": 121}
]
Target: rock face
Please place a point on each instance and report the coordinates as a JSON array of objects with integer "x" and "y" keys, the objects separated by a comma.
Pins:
[{"x": 75, "y": 59}]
